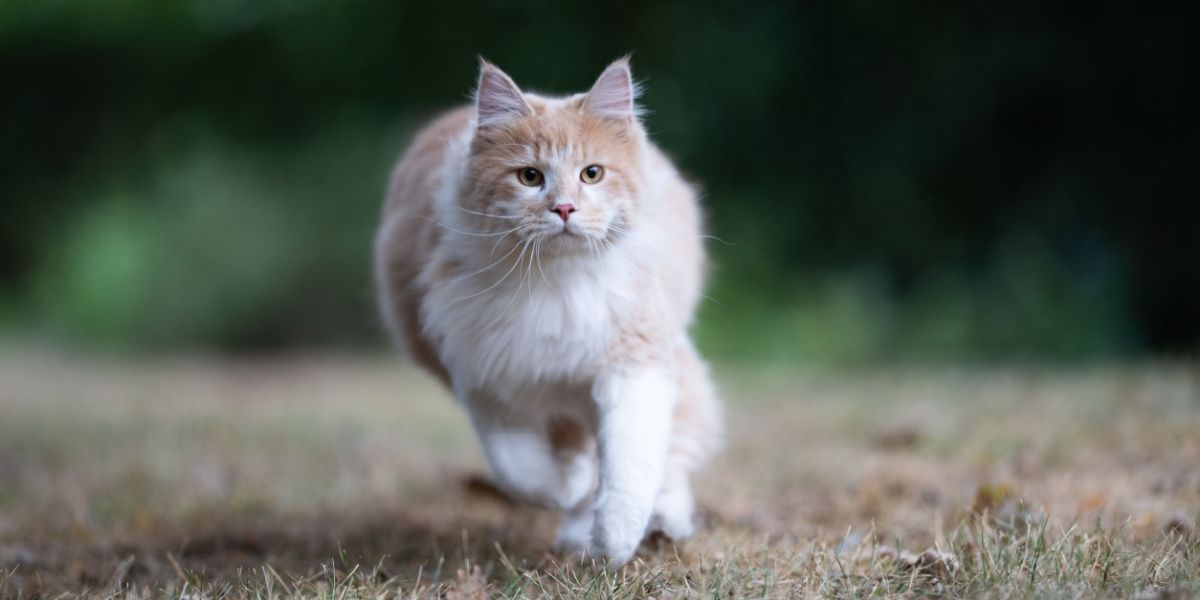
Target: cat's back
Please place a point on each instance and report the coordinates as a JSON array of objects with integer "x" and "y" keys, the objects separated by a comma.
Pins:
[{"x": 408, "y": 235}]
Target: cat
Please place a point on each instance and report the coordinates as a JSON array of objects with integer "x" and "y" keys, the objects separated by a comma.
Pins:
[{"x": 543, "y": 258}]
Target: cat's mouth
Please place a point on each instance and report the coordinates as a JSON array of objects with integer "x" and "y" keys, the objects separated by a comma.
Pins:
[
  {"x": 566, "y": 229},
  {"x": 566, "y": 235},
  {"x": 568, "y": 239}
]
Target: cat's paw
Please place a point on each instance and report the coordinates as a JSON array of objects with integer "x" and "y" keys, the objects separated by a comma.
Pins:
[
  {"x": 673, "y": 515},
  {"x": 574, "y": 538},
  {"x": 617, "y": 544},
  {"x": 675, "y": 528},
  {"x": 615, "y": 555}
]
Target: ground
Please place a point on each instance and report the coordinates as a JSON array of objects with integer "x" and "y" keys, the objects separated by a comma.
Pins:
[{"x": 357, "y": 477}]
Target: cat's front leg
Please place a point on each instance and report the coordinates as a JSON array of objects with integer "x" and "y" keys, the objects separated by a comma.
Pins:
[
  {"x": 634, "y": 407},
  {"x": 523, "y": 459}
]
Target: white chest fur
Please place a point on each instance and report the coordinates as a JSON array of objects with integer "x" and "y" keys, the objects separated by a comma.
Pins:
[{"x": 542, "y": 324}]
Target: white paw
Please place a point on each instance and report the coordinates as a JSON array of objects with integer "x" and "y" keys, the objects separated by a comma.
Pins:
[
  {"x": 617, "y": 536},
  {"x": 616, "y": 551},
  {"x": 575, "y": 532},
  {"x": 673, "y": 514}
]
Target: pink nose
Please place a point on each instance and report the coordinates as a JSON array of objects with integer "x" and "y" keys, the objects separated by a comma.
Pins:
[{"x": 563, "y": 210}]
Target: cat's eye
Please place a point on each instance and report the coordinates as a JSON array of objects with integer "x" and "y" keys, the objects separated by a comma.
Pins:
[
  {"x": 591, "y": 174},
  {"x": 529, "y": 176}
]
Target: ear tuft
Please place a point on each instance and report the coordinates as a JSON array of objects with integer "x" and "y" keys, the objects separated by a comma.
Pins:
[
  {"x": 614, "y": 93},
  {"x": 497, "y": 98}
]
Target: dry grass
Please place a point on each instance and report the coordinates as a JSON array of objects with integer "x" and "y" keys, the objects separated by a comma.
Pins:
[{"x": 347, "y": 477}]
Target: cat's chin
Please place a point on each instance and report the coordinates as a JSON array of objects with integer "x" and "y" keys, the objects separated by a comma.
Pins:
[{"x": 567, "y": 241}]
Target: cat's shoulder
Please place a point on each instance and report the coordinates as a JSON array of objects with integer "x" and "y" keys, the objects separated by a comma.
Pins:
[{"x": 413, "y": 176}]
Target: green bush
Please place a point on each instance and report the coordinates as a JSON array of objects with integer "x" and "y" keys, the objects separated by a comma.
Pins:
[{"x": 223, "y": 245}]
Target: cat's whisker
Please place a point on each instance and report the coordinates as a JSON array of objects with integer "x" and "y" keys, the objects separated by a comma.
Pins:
[
  {"x": 518, "y": 228},
  {"x": 459, "y": 231},
  {"x": 713, "y": 237},
  {"x": 475, "y": 212},
  {"x": 520, "y": 259},
  {"x": 609, "y": 250},
  {"x": 592, "y": 247},
  {"x": 618, "y": 227},
  {"x": 485, "y": 269},
  {"x": 497, "y": 244},
  {"x": 539, "y": 262},
  {"x": 493, "y": 286},
  {"x": 528, "y": 281},
  {"x": 711, "y": 299},
  {"x": 618, "y": 256}
]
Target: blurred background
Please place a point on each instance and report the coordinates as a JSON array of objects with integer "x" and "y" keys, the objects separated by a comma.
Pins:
[{"x": 950, "y": 183}]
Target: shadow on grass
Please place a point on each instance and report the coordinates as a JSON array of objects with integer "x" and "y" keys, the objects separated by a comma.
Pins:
[{"x": 431, "y": 539}]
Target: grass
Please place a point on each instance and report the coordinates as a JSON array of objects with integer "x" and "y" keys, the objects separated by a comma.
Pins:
[{"x": 355, "y": 477}]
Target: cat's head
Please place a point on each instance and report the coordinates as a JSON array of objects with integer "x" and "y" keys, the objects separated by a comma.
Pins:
[{"x": 564, "y": 171}]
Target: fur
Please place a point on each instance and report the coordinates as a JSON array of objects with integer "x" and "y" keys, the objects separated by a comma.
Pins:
[{"x": 564, "y": 338}]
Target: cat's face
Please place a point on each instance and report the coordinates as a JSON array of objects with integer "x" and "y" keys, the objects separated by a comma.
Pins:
[{"x": 562, "y": 173}]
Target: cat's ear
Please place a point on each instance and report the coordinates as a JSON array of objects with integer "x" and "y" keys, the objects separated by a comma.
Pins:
[
  {"x": 497, "y": 98},
  {"x": 614, "y": 92}
]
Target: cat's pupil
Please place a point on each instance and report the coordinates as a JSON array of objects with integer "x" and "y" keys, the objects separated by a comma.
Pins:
[
  {"x": 530, "y": 175},
  {"x": 591, "y": 171}
]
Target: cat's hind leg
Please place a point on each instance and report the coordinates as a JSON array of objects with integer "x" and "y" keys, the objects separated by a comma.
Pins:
[
  {"x": 674, "y": 507},
  {"x": 695, "y": 436}
]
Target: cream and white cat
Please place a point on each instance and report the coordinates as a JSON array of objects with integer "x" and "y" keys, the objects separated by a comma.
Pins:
[{"x": 544, "y": 258}]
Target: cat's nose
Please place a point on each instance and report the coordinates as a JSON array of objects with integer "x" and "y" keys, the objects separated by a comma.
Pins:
[{"x": 563, "y": 210}]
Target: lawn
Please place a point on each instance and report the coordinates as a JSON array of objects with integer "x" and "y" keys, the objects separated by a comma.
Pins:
[{"x": 349, "y": 476}]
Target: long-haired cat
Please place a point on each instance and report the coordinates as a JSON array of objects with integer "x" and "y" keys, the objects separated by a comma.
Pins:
[{"x": 544, "y": 259}]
